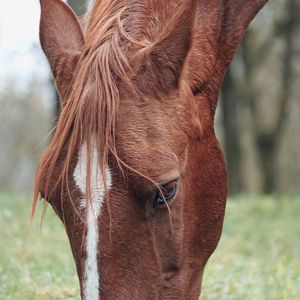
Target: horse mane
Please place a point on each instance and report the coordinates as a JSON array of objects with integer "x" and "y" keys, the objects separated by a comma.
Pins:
[{"x": 91, "y": 108}]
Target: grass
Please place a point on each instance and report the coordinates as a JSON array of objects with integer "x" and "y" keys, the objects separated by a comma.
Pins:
[
  {"x": 35, "y": 264},
  {"x": 258, "y": 256}
]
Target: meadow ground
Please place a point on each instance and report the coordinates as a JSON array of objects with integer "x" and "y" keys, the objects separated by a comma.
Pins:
[{"x": 258, "y": 256}]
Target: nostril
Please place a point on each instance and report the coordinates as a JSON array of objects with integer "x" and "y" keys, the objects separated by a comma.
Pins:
[{"x": 170, "y": 272}]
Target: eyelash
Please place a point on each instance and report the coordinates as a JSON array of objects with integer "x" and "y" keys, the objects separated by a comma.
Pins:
[{"x": 169, "y": 191}]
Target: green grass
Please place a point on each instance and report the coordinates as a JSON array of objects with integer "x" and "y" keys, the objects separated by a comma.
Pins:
[
  {"x": 35, "y": 264},
  {"x": 259, "y": 253},
  {"x": 258, "y": 256}
]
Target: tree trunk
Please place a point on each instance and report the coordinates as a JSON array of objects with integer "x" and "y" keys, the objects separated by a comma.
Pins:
[
  {"x": 231, "y": 130},
  {"x": 267, "y": 141},
  {"x": 267, "y": 148}
]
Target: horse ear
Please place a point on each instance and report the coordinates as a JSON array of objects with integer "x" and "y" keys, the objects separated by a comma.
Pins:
[
  {"x": 160, "y": 64},
  {"x": 237, "y": 16},
  {"x": 61, "y": 39},
  {"x": 219, "y": 30}
]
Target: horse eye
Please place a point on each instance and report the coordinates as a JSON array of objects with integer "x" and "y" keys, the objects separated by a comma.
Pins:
[{"x": 166, "y": 194}]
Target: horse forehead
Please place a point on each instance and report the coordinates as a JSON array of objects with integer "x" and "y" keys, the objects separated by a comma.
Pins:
[
  {"x": 97, "y": 183},
  {"x": 149, "y": 134},
  {"x": 149, "y": 123},
  {"x": 152, "y": 155}
]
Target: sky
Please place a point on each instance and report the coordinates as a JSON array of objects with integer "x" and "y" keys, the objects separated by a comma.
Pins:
[
  {"x": 19, "y": 23},
  {"x": 21, "y": 57}
]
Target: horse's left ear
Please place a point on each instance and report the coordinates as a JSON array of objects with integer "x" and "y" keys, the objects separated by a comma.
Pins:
[
  {"x": 219, "y": 29},
  {"x": 62, "y": 39},
  {"x": 237, "y": 16},
  {"x": 160, "y": 65}
]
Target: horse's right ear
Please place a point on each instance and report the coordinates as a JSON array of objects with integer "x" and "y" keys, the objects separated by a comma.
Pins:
[{"x": 62, "y": 39}]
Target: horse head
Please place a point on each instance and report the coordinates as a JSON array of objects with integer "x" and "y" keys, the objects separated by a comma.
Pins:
[{"x": 134, "y": 169}]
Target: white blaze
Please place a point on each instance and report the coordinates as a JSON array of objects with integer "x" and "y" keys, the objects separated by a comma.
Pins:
[{"x": 91, "y": 272}]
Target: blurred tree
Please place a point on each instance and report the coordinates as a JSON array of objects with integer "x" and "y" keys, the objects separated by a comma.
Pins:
[
  {"x": 233, "y": 155},
  {"x": 25, "y": 118},
  {"x": 266, "y": 139},
  {"x": 79, "y": 6}
]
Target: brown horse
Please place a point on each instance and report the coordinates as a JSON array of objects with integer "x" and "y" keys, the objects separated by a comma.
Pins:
[{"x": 134, "y": 169}]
